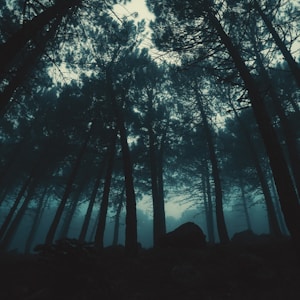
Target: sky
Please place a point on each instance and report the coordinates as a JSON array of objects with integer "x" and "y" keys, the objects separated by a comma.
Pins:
[
  {"x": 133, "y": 6},
  {"x": 139, "y": 7}
]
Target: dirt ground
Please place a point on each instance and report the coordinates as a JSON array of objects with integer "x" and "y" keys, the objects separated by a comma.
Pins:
[{"x": 252, "y": 272}]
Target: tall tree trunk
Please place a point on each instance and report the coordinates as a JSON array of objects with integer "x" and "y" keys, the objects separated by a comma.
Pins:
[
  {"x": 244, "y": 203},
  {"x": 274, "y": 228},
  {"x": 68, "y": 189},
  {"x": 288, "y": 131},
  {"x": 94, "y": 228},
  {"x": 13, "y": 209},
  {"x": 10, "y": 233},
  {"x": 92, "y": 201},
  {"x": 131, "y": 244},
  {"x": 10, "y": 49},
  {"x": 105, "y": 197},
  {"x": 278, "y": 210},
  {"x": 36, "y": 221},
  {"x": 221, "y": 224},
  {"x": 159, "y": 225},
  {"x": 69, "y": 215},
  {"x": 117, "y": 219},
  {"x": 208, "y": 206},
  {"x": 160, "y": 178},
  {"x": 284, "y": 184},
  {"x": 280, "y": 44}
]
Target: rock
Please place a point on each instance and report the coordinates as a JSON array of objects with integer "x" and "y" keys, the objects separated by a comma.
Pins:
[
  {"x": 248, "y": 237},
  {"x": 188, "y": 235}
]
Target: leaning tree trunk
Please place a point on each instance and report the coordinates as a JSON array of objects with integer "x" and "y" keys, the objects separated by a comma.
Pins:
[
  {"x": 284, "y": 184},
  {"x": 13, "y": 209},
  {"x": 92, "y": 201},
  {"x": 69, "y": 215},
  {"x": 277, "y": 206},
  {"x": 23, "y": 71},
  {"x": 68, "y": 189},
  {"x": 105, "y": 197},
  {"x": 221, "y": 224},
  {"x": 10, "y": 49},
  {"x": 274, "y": 227},
  {"x": 280, "y": 44},
  {"x": 36, "y": 221},
  {"x": 288, "y": 131},
  {"x": 10, "y": 233}
]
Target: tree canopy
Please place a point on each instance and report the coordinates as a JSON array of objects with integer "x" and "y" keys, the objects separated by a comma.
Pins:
[{"x": 93, "y": 124}]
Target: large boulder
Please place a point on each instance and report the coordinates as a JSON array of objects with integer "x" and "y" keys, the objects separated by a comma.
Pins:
[{"x": 188, "y": 235}]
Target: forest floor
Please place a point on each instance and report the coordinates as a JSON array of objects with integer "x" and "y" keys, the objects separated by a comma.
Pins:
[{"x": 252, "y": 272}]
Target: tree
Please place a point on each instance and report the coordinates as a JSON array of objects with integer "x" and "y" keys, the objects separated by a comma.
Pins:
[
  {"x": 52, "y": 230},
  {"x": 105, "y": 196},
  {"x": 14, "y": 44},
  {"x": 279, "y": 42},
  {"x": 238, "y": 128},
  {"x": 206, "y": 10},
  {"x": 153, "y": 118}
]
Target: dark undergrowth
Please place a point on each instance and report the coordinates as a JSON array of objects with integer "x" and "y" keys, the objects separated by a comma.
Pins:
[{"x": 68, "y": 270}]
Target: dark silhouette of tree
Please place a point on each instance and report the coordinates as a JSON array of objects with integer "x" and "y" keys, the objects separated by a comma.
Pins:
[
  {"x": 196, "y": 12},
  {"x": 117, "y": 218},
  {"x": 294, "y": 67},
  {"x": 24, "y": 69},
  {"x": 243, "y": 119},
  {"x": 106, "y": 190},
  {"x": 88, "y": 214},
  {"x": 221, "y": 225},
  {"x": 153, "y": 118},
  {"x": 39, "y": 209},
  {"x": 288, "y": 131},
  {"x": 29, "y": 30},
  {"x": 52, "y": 230}
]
